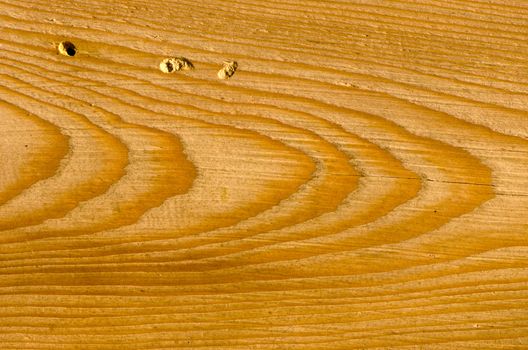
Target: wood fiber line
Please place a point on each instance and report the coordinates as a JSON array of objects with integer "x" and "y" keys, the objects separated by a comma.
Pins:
[{"x": 358, "y": 183}]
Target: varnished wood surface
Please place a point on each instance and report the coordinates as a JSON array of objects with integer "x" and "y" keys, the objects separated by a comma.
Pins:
[{"x": 360, "y": 182}]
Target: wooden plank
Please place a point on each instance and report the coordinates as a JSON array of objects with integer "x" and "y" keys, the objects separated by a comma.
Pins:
[{"x": 357, "y": 181}]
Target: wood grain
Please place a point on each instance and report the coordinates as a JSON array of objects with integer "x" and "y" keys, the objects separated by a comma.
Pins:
[{"x": 360, "y": 182}]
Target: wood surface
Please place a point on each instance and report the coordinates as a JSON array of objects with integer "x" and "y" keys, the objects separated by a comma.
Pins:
[{"x": 360, "y": 182}]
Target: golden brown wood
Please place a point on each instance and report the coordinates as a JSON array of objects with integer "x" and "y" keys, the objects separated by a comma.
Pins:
[{"x": 360, "y": 182}]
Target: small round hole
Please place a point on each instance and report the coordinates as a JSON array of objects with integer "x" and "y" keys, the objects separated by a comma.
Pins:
[
  {"x": 67, "y": 48},
  {"x": 167, "y": 65}
]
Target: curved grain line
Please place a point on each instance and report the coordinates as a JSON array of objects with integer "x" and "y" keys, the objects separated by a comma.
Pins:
[
  {"x": 276, "y": 97},
  {"x": 45, "y": 165},
  {"x": 84, "y": 189},
  {"x": 331, "y": 166},
  {"x": 297, "y": 129},
  {"x": 166, "y": 151},
  {"x": 384, "y": 266}
]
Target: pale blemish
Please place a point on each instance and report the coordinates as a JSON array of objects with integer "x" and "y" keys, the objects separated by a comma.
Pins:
[
  {"x": 173, "y": 64},
  {"x": 227, "y": 70},
  {"x": 224, "y": 194}
]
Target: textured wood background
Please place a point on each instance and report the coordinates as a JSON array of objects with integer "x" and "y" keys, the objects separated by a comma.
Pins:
[{"x": 361, "y": 182}]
